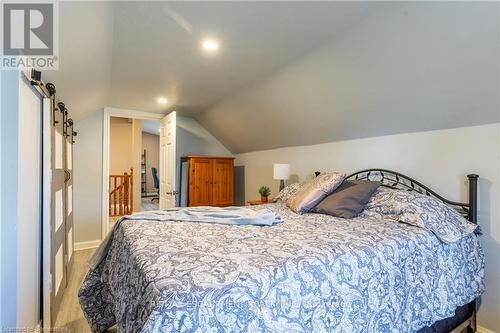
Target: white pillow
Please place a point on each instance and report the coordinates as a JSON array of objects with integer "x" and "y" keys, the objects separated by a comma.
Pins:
[
  {"x": 422, "y": 211},
  {"x": 314, "y": 191}
]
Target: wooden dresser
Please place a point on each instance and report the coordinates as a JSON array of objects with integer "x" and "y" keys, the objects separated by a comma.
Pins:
[{"x": 210, "y": 181}]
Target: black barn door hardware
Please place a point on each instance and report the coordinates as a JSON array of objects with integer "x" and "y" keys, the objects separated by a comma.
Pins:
[
  {"x": 70, "y": 126},
  {"x": 49, "y": 91},
  {"x": 52, "y": 91}
]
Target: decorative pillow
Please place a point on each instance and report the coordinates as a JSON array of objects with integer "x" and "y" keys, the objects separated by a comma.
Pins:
[
  {"x": 422, "y": 211},
  {"x": 288, "y": 191},
  {"x": 348, "y": 200},
  {"x": 314, "y": 191}
]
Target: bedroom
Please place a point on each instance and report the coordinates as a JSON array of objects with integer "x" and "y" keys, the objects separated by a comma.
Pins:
[{"x": 342, "y": 87}]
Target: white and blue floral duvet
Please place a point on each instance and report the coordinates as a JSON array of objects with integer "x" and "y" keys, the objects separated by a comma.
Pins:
[{"x": 311, "y": 273}]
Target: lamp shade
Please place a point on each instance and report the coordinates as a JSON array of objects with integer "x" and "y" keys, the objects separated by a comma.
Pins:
[{"x": 281, "y": 171}]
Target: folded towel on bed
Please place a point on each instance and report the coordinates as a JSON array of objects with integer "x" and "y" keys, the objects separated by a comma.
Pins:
[{"x": 215, "y": 215}]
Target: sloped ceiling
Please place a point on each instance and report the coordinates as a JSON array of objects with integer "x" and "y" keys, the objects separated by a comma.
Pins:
[
  {"x": 288, "y": 73},
  {"x": 411, "y": 67},
  {"x": 127, "y": 54}
]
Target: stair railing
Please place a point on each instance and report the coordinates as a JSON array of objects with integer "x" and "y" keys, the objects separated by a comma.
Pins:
[{"x": 121, "y": 194}]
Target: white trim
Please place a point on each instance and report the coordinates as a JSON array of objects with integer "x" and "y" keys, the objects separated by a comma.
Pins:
[
  {"x": 481, "y": 329},
  {"x": 107, "y": 114},
  {"x": 87, "y": 245},
  {"x": 46, "y": 211},
  {"x": 128, "y": 113}
]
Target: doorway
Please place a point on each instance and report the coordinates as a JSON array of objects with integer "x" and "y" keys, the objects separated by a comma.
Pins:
[
  {"x": 124, "y": 167},
  {"x": 128, "y": 181},
  {"x": 150, "y": 160}
]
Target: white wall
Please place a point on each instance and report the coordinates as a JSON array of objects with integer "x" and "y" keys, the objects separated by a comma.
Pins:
[
  {"x": 440, "y": 159},
  {"x": 87, "y": 172}
]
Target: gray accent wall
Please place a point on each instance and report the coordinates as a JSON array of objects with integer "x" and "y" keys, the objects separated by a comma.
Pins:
[
  {"x": 20, "y": 202},
  {"x": 193, "y": 139},
  {"x": 9, "y": 126},
  {"x": 409, "y": 67},
  {"x": 87, "y": 173},
  {"x": 239, "y": 185}
]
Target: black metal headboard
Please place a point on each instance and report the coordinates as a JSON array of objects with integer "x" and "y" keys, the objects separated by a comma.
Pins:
[{"x": 397, "y": 180}]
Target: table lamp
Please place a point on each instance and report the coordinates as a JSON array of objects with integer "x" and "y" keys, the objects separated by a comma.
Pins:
[{"x": 281, "y": 173}]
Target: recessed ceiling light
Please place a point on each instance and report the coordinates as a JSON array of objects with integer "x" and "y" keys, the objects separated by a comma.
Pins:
[
  {"x": 210, "y": 45},
  {"x": 162, "y": 100}
]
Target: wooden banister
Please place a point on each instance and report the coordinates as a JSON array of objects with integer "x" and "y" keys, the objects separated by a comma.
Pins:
[{"x": 121, "y": 194}]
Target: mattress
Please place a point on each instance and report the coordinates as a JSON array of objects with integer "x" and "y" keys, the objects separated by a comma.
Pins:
[{"x": 311, "y": 273}]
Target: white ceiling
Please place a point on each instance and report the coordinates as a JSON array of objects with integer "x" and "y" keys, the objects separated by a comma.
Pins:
[
  {"x": 151, "y": 126},
  {"x": 83, "y": 80},
  {"x": 127, "y": 54}
]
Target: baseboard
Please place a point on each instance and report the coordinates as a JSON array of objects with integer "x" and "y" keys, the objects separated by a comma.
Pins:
[
  {"x": 87, "y": 245},
  {"x": 481, "y": 329}
]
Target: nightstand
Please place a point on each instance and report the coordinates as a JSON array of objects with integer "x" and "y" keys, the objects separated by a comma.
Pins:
[{"x": 258, "y": 202}]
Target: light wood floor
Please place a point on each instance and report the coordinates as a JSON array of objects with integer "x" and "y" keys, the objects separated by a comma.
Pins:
[
  {"x": 70, "y": 314},
  {"x": 147, "y": 204}
]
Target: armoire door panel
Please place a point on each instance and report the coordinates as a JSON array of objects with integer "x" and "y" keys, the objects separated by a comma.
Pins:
[
  {"x": 210, "y": 181},
  {"x": 200, "y": 182},
  {"x": 223, "y": 182}
]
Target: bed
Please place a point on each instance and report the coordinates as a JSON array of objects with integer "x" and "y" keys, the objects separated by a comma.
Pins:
[{"x": 311, "y": 273}]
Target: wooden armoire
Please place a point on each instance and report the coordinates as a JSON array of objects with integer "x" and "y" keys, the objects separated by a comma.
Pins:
[{"x": 209, "y": 181}]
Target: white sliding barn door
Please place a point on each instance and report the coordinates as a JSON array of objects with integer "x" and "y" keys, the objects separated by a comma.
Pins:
[
  {"x": 58, "y": 211},
  {"x": 29, "y": 207},
  {"x": 69, "y": 239},
  {"x": 167, "y": 161}
]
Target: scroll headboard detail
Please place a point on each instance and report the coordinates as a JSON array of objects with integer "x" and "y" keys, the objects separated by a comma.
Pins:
[{"x": 396, "y": 180}]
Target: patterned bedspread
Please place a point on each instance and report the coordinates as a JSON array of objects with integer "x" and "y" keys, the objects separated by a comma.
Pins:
[{"x": 312, "y": 273}]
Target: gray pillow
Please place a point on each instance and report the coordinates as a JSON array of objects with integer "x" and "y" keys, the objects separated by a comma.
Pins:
[{"x": 348, "y": 200}]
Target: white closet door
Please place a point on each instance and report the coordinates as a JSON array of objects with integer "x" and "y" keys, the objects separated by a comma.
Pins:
[{"x": 167, "y": 160}]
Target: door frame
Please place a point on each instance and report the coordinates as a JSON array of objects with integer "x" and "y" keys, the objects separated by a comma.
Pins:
[{"x": 107, "y": 114}]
